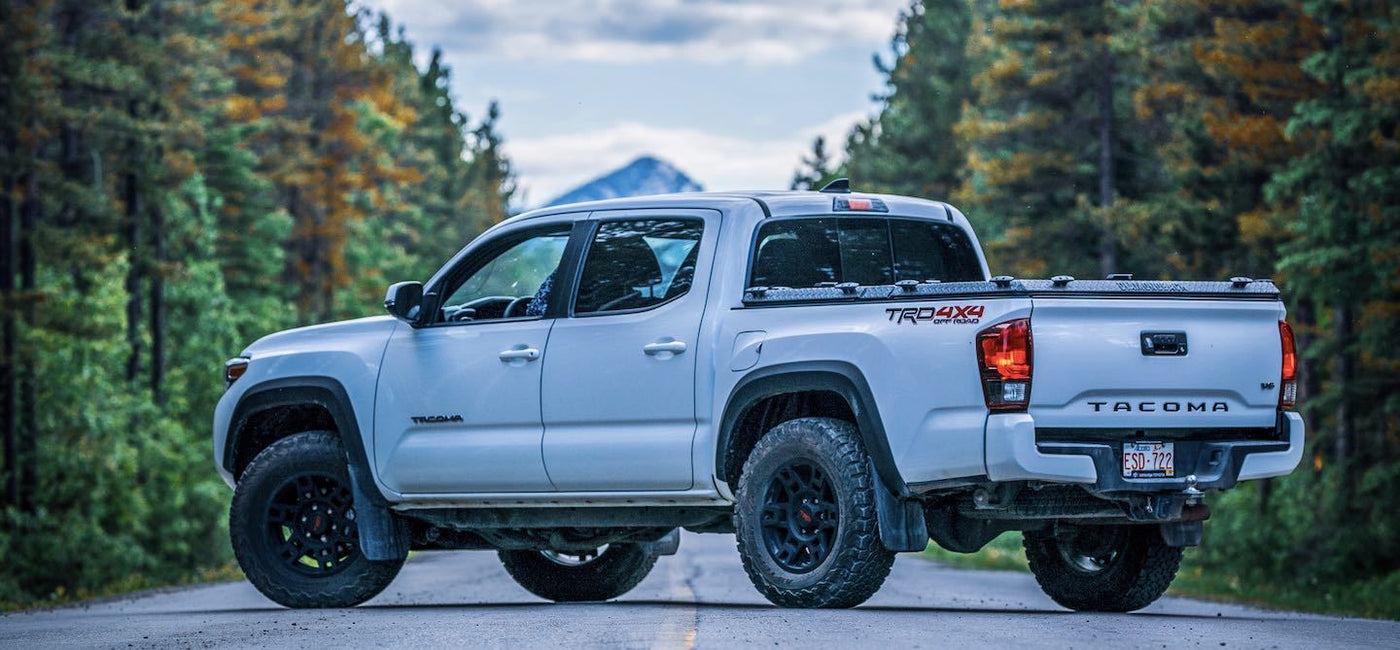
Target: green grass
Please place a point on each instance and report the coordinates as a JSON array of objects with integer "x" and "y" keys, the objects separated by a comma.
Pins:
[
  {"x": 136, "y": 582},
  {"x": 1374, "y": 598}
]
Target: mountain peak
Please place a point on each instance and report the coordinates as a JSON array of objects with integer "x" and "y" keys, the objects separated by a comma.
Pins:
[{"x": 646, "y": 174}]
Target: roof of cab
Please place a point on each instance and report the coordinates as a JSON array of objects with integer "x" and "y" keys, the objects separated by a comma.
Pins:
[{"x": 773, "y": 203}]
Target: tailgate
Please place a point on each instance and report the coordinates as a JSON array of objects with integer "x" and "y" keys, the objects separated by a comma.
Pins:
[{"x": 1111, "y": 363}]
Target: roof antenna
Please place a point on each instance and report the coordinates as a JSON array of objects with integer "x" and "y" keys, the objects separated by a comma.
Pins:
[{"x": 838, "y": 186}]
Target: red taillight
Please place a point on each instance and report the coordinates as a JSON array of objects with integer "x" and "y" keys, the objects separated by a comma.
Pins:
[
  {"x": 1004, "y": 359},
  {"x": 1288, "y": 388}
]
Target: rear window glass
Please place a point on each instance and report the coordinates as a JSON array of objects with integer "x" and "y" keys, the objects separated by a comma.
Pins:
[
  {"x": 933, "y": 251},
  {"x": 807, "y": 252}
]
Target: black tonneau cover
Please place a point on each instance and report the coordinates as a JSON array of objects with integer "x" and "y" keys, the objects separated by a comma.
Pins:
[{"x": 1242, "y": 289}]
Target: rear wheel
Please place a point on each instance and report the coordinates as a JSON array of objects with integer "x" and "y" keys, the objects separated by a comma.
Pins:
[
  {"x": 571, "y": 576},
  {"x": 1102, "y": 568},
  {"x": 293, "y": 528},
  {"x": 805, "y": 519}
]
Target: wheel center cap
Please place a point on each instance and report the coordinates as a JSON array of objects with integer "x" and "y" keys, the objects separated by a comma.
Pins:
[{"x": 805, "y": 516}]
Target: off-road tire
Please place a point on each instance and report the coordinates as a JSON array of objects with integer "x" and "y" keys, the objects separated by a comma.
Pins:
[
  {"x": 1139, "y": 574},
  {"x": 857, "y": 563},
  {"x": 613, "y": 573},
  {"x": 355, "y": 581}
]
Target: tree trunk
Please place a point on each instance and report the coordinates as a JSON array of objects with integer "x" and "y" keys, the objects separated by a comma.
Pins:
[
  {"x": 158, "y": 307},
  {"x": 133, "y": 246},
  {"x": 1345, "y": 372},
  {"x": 1108, "y": 242},
  {"x": 28, "y": 403},
  {"x": 8, "y": 395}
]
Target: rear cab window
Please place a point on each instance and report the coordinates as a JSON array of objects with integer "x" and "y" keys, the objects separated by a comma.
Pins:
[{"x": 804, "y": 252}]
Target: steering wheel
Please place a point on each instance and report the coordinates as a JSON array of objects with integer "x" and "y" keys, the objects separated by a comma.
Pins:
[
  {"x": 522, "y": 303},
  {"x": 458, "y": 314}
]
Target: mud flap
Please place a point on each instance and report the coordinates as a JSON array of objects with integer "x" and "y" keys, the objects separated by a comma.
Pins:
[
  {"x": 902, "y": 525},
  {"x": 384, "y": 536}
]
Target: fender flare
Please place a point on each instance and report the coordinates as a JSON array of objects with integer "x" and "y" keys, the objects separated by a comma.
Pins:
[
  {"x": 383, "y": 536},
  {"x": 839, "y": 377},
  {"x": 324, "y": 392}
]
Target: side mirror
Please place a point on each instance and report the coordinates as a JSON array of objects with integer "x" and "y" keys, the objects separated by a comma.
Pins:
[{"x": 404, "y": 301}]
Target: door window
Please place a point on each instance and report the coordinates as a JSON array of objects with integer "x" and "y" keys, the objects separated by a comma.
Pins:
[
  {"x": 512, "y": 278},
  {"x": 638, "y": 264}
]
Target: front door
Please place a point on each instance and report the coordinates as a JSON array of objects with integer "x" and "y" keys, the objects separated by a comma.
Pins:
[
  {"x": 619, "y": 383},
  {"x": 458, "y": 405}
]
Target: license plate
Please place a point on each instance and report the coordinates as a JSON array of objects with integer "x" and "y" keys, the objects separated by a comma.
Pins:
[{"x": 1149, "y": 460}]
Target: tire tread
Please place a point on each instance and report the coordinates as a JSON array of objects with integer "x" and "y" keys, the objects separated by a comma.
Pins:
[
  {"x": 1143, "y": 576},
  {"x": 861, "y": 562},
  {"x": 365, "y": 581},
  {"x": 612, "y": 574}
]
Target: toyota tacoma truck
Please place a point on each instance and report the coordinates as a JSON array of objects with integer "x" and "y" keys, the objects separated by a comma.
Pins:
[{"x": 832, "y": 377}]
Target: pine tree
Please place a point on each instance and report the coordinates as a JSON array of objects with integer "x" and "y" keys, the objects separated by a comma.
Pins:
[
  {"x": 491, "y": 179},
  {"x": 307, "y": 79},
  {"x": 1344, "y": 189},
  {"x": 910, "y": 147},
  {"x": 1047, "y": 140},
  {"x": 816, "y": 170},
  {"x": 1218, "y": 83}
]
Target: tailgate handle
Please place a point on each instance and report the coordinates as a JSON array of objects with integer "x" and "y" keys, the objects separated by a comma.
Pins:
[{"x": 1163, "y": 344}]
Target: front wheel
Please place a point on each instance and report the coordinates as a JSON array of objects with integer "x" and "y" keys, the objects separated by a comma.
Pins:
[
  {"x": 600, "y": 574},
  {"x": 1102, "y": 568},
  {"x": 293, "y": 528},
  {"x": 805, "y": 517}
]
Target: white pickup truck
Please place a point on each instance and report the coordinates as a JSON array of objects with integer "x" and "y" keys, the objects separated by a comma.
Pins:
[{"x": 830, "y": 376}]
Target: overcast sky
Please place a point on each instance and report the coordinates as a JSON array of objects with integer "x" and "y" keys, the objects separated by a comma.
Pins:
[{"x": 731, "y": 91}]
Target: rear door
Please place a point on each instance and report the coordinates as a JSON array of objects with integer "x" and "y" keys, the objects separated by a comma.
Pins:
[
  {"x": 1155, "y": 363},
  {"x": 619, "y": 380}
]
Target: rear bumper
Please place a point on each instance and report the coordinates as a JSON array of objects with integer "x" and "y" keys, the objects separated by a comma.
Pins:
[{"x": 1013, "y": 454}]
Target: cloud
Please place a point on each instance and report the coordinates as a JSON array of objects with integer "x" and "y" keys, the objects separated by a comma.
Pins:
[
  {"x": 625, "y": 31},
  {"x": 553, "y": 164}
]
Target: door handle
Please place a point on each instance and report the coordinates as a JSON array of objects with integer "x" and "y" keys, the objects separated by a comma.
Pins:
[
  {"x": 674, "y": 347},
  {"x": 518, "y": 353}
]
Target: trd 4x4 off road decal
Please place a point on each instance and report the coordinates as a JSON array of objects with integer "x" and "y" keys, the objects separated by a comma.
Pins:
[{"x": 943, "y": 315}]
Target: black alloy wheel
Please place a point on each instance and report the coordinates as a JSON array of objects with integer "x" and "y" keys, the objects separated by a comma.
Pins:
[
  {"x": 800, "y": 517},
  {"x": 311, "y": 524}
]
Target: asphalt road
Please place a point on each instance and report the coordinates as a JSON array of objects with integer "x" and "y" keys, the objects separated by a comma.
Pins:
[{"x": 698, "y": 598}]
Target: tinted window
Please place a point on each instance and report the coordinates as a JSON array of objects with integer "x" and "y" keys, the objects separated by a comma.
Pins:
[
  {"x": 806, "y": 252},
  {"x": 797, "y": 253},
  {"x": 865, "y": 251},
  {"x": 933, "y": 251},
  {"x": 638, "y": 264}
]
